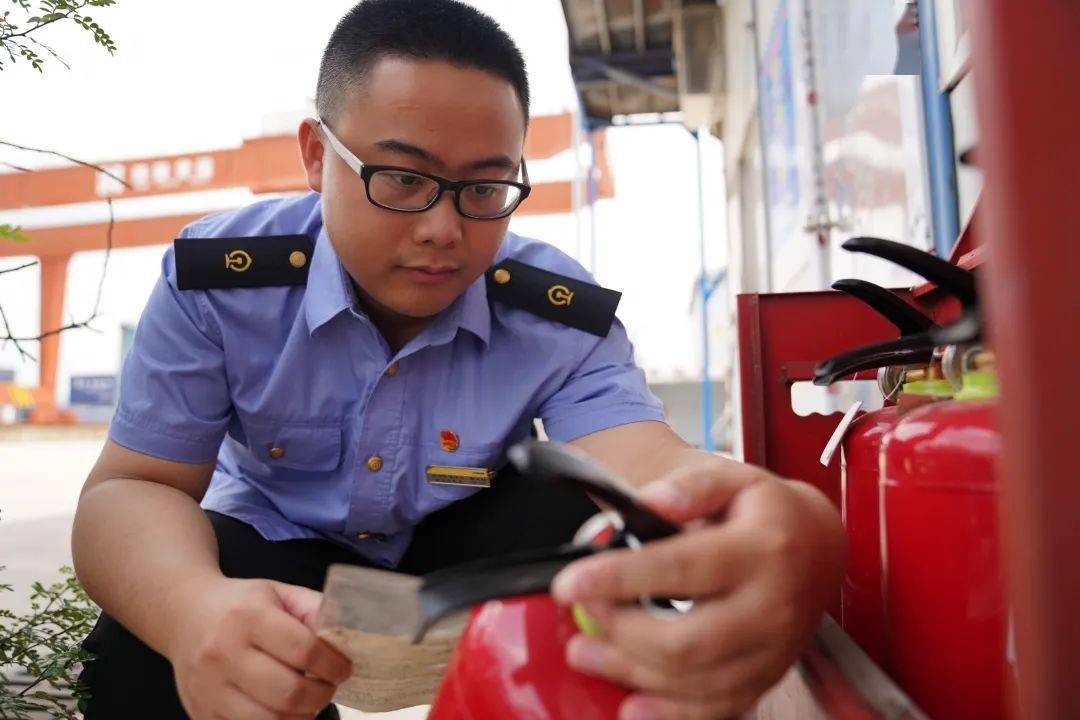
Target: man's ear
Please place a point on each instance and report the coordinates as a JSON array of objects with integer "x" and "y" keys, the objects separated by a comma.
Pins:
[{"x": 312, "y": 150}]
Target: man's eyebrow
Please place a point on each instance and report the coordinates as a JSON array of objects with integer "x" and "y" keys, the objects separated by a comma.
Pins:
[
  {"x": 497, "y": 162},
  {"x": 500, "y": 162},
  {"x": 404, "y": 148}
]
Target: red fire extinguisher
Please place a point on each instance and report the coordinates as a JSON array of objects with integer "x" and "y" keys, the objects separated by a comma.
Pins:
[
  {"x": 862, "y": 601},
  {"x": 510, "y": 663},
  {"x": 909, "y": 359},
  {"x": 944, "y": 598},
  {"x": 862, "y": 613},
  {"x": 510, "y": 660},
  {"x": 938, "y": 496}
]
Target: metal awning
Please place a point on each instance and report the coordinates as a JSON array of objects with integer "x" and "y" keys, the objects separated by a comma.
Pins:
[{"x": 623, "y": 53}]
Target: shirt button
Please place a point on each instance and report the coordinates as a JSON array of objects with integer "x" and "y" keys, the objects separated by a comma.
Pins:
[
  {"x": 374, "y": 463},
  {"x": 391, "y": 370},
  {"x": 277, "y": 453}
]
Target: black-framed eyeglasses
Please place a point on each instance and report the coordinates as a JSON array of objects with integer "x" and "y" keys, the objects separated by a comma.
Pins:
[{"x": 407, "y": 190}]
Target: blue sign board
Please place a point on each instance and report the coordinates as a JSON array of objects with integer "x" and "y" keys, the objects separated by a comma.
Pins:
[
  {"x": 779, "y": 130},
  {"x": 7, "y": 376},
  {"x": 96, "y": 390}
]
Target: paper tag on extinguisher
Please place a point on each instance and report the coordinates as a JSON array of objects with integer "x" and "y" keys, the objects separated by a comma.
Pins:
[{"x": 838, "y": 433}]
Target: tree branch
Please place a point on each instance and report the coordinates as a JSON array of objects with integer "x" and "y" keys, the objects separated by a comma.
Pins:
[
  {"x": 37, "y": 27},
  {"x": 13, "y": 166},
  {"x": 9, "y": 336},
  {"x": 16, "y": 269},
  {"x": 7, "y": 331},
  {"x": 51, "y": 52},
  {"x": 92, "y": 166}
]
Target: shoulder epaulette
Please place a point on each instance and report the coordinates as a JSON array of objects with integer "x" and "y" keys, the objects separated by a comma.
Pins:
[
  {"x": 554, "y": 297},
  {"x": 245, "y": 262}
]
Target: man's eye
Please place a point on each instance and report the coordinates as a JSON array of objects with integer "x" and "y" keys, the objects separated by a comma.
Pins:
[
  {"x": 482, "y": 191},
  {"x": 405, "y": 180}
]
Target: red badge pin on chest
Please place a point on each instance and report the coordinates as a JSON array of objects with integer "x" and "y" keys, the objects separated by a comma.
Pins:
[{"x": 449, "y": 440}]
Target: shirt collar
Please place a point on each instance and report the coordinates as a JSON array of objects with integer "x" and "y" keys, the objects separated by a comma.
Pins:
[
  {"x": 471, "y": 311},
  {"x": 329, "y": 292}
]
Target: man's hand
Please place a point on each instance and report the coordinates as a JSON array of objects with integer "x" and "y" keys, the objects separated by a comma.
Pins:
[
  {"x": 762, "y": 558},
  {"x": 244, "y": 649}
]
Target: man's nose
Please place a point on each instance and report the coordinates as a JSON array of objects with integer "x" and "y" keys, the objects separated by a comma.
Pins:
[{"x": 441, "y": 224}]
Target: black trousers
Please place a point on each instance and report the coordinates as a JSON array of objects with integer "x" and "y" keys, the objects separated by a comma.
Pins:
[{"x": 126, "y": 679}]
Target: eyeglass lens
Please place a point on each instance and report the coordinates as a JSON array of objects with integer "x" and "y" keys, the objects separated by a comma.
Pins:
[{"x": 401, "y": 190}]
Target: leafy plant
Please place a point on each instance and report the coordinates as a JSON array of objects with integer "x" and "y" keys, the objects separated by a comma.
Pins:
[
  {"x": 20, "y": 39},
  {"x": 15, "y": 34},
  {"x": 42, "y": 648},
  {"x": 12, "y": 232}
]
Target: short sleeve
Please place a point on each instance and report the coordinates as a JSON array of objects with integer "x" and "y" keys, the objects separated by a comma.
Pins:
[
  {"x": 605, "y": 390},
  {"x": 174, "y": 396}
]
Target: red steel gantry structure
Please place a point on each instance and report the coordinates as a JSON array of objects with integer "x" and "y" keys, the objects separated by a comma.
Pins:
[{"x": 268, "y": 164}]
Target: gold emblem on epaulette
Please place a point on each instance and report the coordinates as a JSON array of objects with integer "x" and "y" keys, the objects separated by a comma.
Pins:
[
  {"x": 237, "y": 261},
  {"x": 466, "y": 476},
  {"x": 560, "y": 295}
]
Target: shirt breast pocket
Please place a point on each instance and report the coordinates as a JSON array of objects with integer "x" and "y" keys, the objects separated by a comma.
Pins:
[{"x": 303, "y": 447}]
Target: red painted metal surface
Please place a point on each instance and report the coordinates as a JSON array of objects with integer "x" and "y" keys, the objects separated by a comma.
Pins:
[
  {"x": 835, "y": 680},
  {"x": 944, "y": 598},
  {"x": 832, "y": 690},
  {"x": 510, "y": 663},
  {"x": 1028, "y": 93},
  {"x": 781, "y": 337},
  {"x": 862, "y": 607}
]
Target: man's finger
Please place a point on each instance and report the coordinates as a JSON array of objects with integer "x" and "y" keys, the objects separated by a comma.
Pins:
[
  {"x": 300, "y": 602},
  {"x": 715, "y": 683},
  {"x": 707, "y": 561},
  {"x": 279, "y": 687},
  {"x": 236, "y": 704},
  {"x": 657, "y": 707},
  {"x": 287, "y": 639},
  {"x": 714, "y": 632},
  {"x": 701, "y": 491}
]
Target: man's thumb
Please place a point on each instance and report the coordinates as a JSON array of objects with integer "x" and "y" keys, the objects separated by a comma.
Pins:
[{"x": 300, "y": 602}]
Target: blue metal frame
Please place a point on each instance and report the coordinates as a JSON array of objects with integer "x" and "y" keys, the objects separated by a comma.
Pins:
[
  {"x": 941, "y": 155},
  {"x": 707, "y": 286}
]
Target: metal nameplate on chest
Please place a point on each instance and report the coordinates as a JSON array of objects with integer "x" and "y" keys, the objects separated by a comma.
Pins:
[{"x": 465, "y": 476}]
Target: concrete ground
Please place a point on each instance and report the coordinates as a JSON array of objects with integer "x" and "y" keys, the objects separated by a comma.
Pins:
[{"x": 41, "y": 472}]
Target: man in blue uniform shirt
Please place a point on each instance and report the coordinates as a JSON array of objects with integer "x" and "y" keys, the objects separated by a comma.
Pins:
[{"x": 314, "y": 378}]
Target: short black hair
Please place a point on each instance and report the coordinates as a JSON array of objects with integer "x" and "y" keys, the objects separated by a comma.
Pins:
[{"x": 445, "y": 30}]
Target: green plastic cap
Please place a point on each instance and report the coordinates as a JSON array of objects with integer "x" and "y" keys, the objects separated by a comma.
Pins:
[
  {"x": 979, "y": 385},
  {"x": 936, "y": 388}
]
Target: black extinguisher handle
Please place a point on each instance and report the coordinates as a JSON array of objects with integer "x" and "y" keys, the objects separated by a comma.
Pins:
[
  {"x": 954, "y": 280},
  {"x": 967, "y": 329},
  {"x": 881, "y": 354},
  {"x": 906, "y": 318},
  {"x": 525, "y": 572},
  {"x": 829, "y": 371}
]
